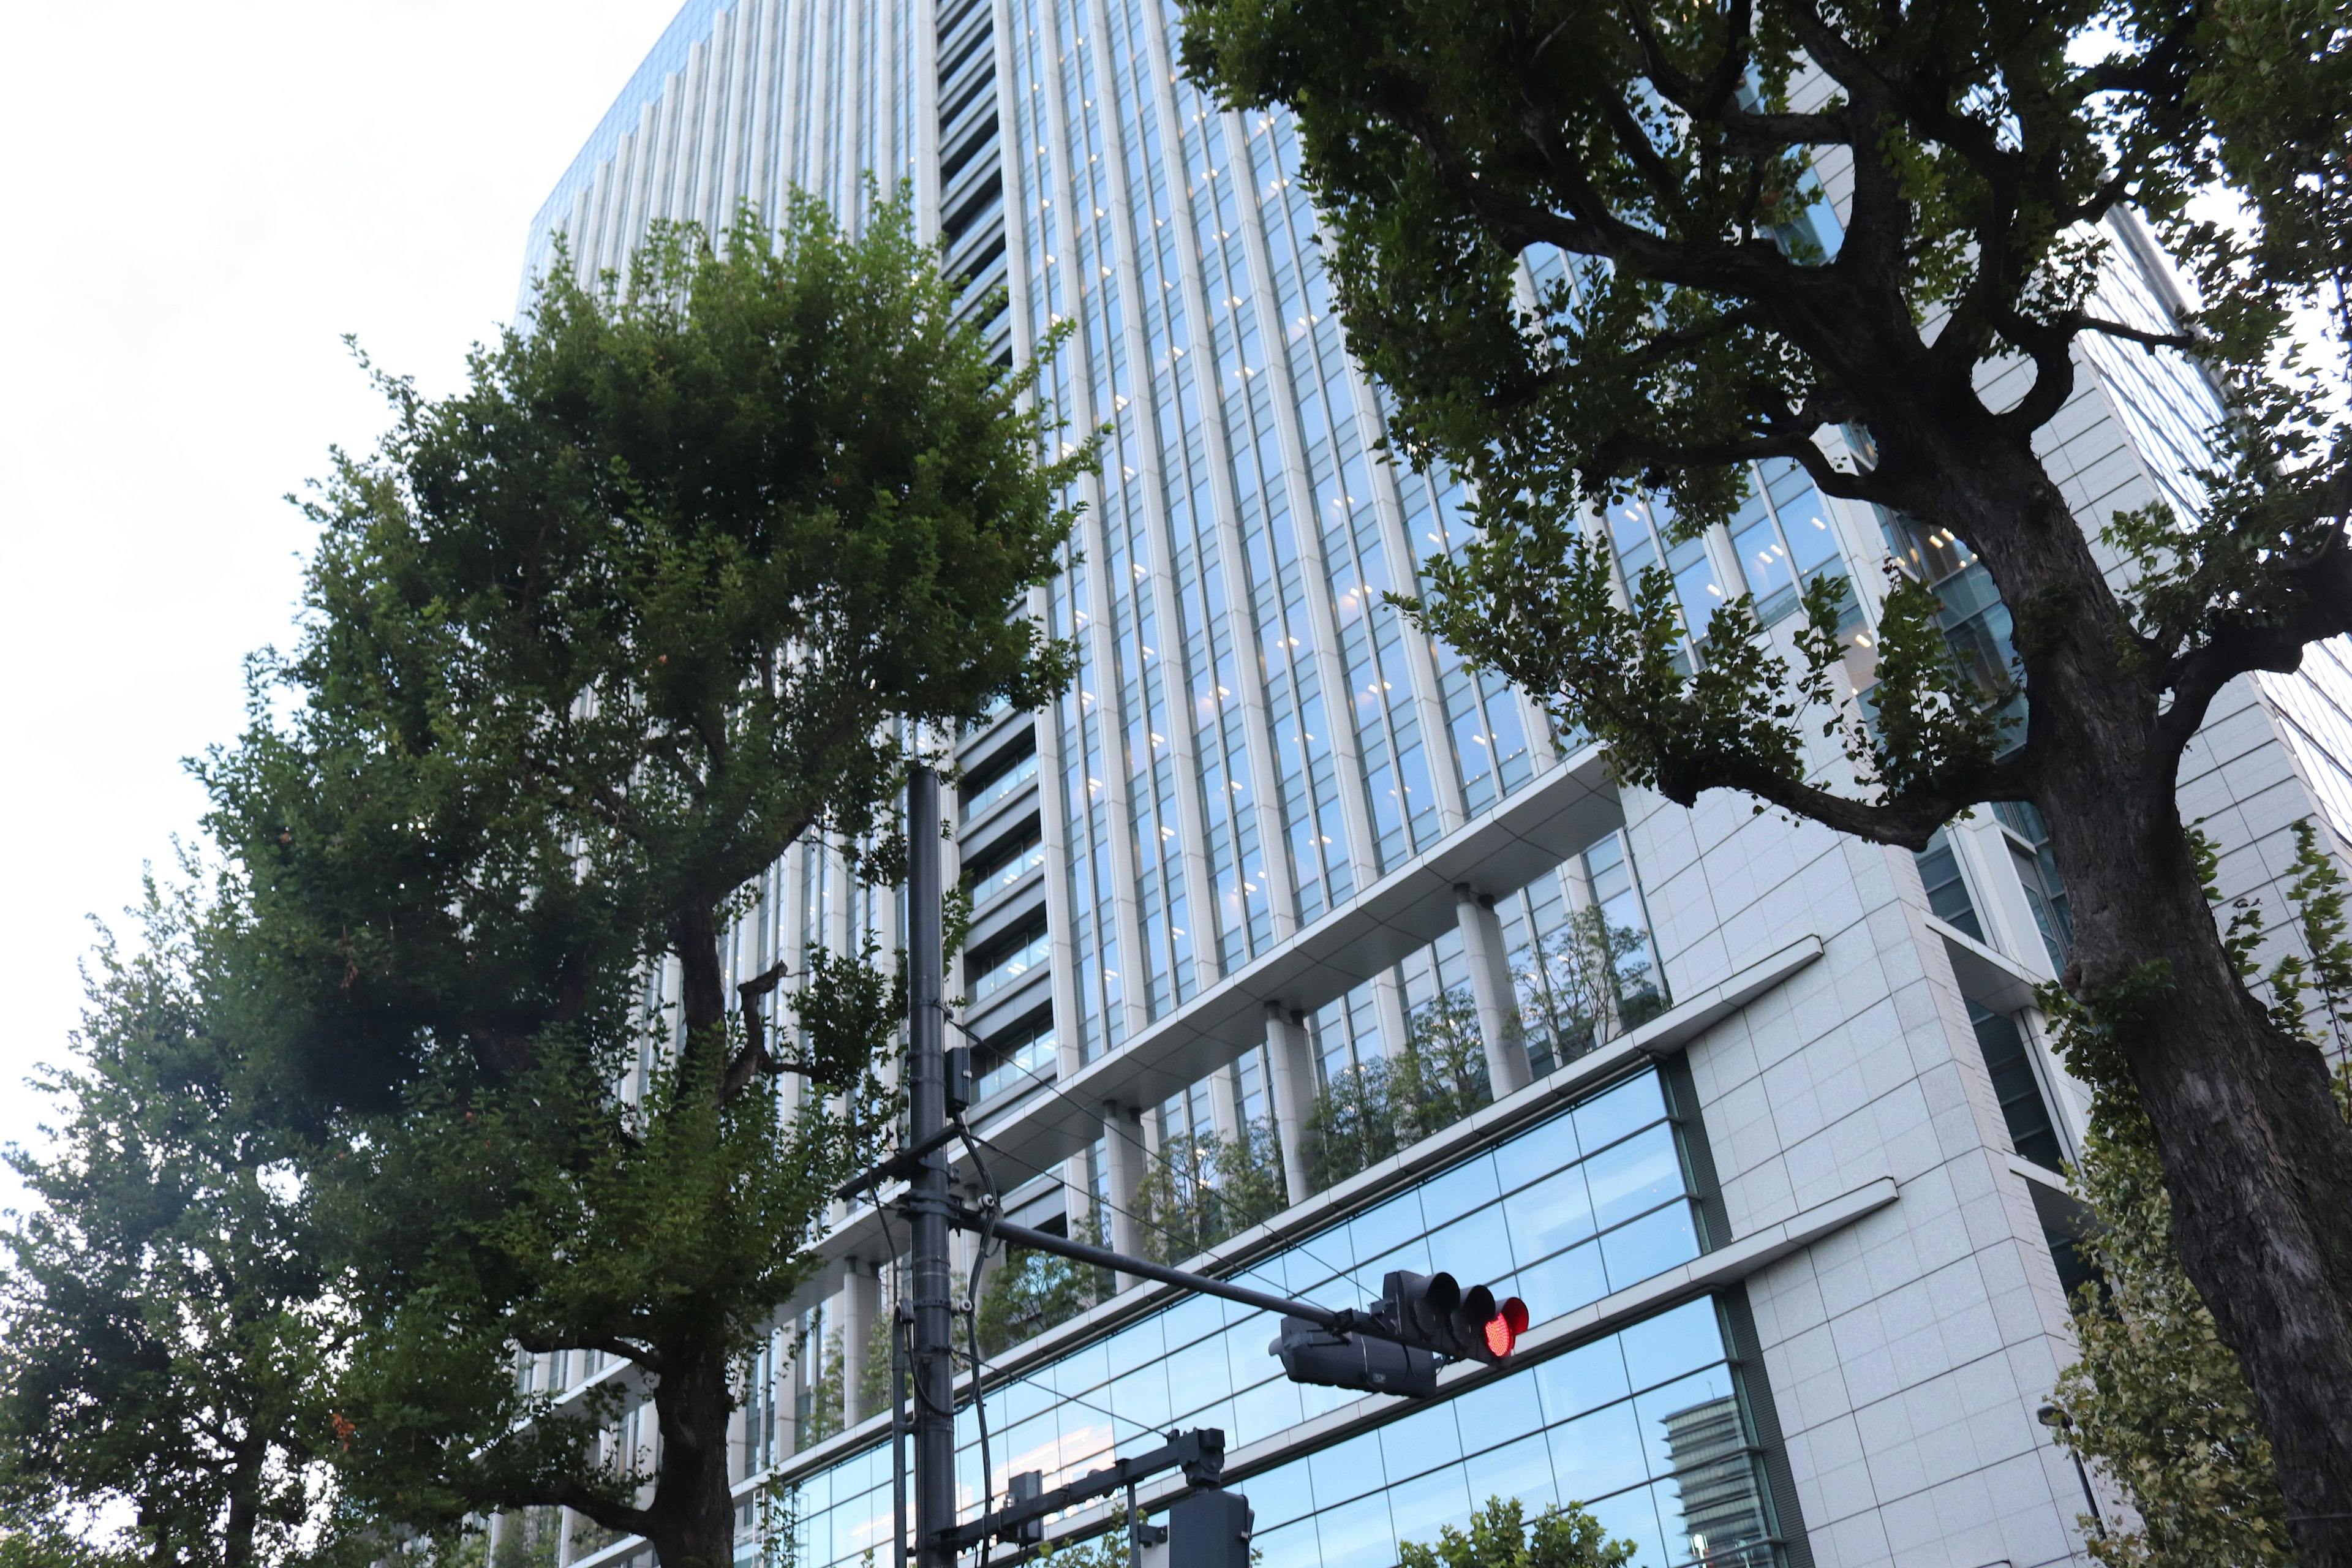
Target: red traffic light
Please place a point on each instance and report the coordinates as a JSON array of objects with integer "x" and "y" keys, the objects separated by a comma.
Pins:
[
  {"x": 1504, "y": 1328},
  {"x": 1436, "y": 1312}
]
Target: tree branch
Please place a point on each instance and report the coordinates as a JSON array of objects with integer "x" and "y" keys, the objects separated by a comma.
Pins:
[
  {"x": 1624, "y": 449},
  {"x": 1923, "y": 105},
  {"x": 1644, "y": 157},
  {"x": 2083, "y": 321},
  {"x": 2320, "y": 606},
  {"x": 627, "y": 1349},
  {"x": 573, "y": 1495},
  {"x": 1662, "y": 347},
  {"x": 1587, "y": 228},
  {"x": 754, "y": 1057},
  {"x": 1910, "y": 819}
]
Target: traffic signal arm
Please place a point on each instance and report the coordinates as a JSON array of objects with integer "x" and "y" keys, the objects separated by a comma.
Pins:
[
  {"x": 1340, "y": 1322},
  {"x": 1419, "y": 1317}
]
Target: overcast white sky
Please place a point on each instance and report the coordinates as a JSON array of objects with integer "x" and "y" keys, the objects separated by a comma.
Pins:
[{"x": 200, "y": 201}]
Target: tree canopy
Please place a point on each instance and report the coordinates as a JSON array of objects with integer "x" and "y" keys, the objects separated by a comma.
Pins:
[
  {"x": 699, "y": 561},
  {"x": 1713, "y": 308},
  {"x": 167, "y": 1332},
  {"x": 680, "y": 577}
]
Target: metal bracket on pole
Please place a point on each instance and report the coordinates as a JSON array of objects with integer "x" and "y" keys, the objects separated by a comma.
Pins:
[
  {"x": 899, "y": 1167},
  {"x": 1200, "y": 1452}
]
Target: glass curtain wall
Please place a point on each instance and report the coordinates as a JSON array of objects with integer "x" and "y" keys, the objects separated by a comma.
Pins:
[{"x": 1653, "y": 1427}]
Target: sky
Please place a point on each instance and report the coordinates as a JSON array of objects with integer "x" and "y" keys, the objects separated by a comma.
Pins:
[{"x": 201, "y": 200}]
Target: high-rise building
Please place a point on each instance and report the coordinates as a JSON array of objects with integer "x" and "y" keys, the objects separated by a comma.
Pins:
[{"x": 1280, "y": 894}]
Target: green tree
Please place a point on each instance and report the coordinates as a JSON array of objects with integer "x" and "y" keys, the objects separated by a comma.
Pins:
[
  {"x": 2156, "y": 1399},
  {"x": 1585, "y": 984},
  {"x": 1203, "y": 1188},
  {"x": 1501, "y": 1536},
  {"x": 28, "y": 1544},
  {"x": 529, "y": 1541},
  {"x": 1025, "y": 1295},
  {"x": 165, "y": 1328},
  {"x": 689, "y": 570},
  {"x": 1369, "y": 1111},
  {"x": 1705, "y": 308}
]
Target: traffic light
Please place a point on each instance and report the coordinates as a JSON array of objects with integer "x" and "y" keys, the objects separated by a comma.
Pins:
[
  {"x": 1504, "y": 1328},
  {"x": 1435, "y": 1313},
  {"x": 1023, "y": 1487},
  {"x": 1312, "y": 1354},
  {"x": 1210, "y": 1530}
]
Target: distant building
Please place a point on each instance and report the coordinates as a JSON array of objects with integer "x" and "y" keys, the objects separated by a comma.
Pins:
[
  {"x": 1775, "y": 1171},
  {"x": 1722, "y": 1518}
]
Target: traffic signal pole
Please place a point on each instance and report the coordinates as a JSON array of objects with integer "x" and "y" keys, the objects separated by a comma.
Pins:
[
  {"x": 1421, "y": 1319},
  {"x": 933, "y": 1368}
]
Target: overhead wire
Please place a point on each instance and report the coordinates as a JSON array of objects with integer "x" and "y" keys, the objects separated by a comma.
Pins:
[
  {"x": 973, "y": 1144},
  {"x": 970, "y": 1307},
  {"x": 991, "y": 1208}
]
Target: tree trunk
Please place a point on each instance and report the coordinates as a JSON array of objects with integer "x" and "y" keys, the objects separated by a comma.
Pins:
[
  {"x": 702, "y": 988},
  {"x": 693, "y": 1512},
  {"x": 2257, "y": 1159},
  {"x": 244, "y": 1507}
]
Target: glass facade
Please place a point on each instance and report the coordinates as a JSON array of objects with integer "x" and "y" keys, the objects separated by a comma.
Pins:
[{"x": 1649, "y": 1426}]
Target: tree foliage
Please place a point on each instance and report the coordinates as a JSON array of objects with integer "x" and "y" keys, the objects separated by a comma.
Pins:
[
  {"x": 1202, "y": 1188},
  {"x": 1585, "y": 984},
  {"x": 594, "y": 640},
  {"x": 27, "y": 1543},
  {"x": 166, "y": 1326},
  {"x": 687, "y": 573},
  {"x": 1502, "y": 1536},
  {"x": 2155, "y": 1397},
  {"x": 1672, "y": 159},
  {"x": 1030, "y": 1293}
]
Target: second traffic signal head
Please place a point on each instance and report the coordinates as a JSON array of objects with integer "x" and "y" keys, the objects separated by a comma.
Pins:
[
  {"x": 1420, "y": 1308},
  {"x": 1312, "y": 1354}
]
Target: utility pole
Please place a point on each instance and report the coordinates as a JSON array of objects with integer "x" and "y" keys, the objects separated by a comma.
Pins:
[{"x": 927, "y": 1108}]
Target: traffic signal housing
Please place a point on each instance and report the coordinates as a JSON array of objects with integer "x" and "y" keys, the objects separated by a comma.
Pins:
[
  {"x": 1312, "y": 1354},
  {"x": 1433, "y": 1312}
]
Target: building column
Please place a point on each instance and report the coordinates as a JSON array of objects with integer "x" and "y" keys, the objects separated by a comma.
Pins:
[
  {"x": 1491, "y": 990},
  {"x": 1226, "y": 1102},
  {"x": 861, "y": 1302},
  {"x": 1123, "y": 1155},
  {"x": 1291, "y": 1074},
  {"x": 792, "y": 1382},
  {"x": 1078, "y": 1196}
]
